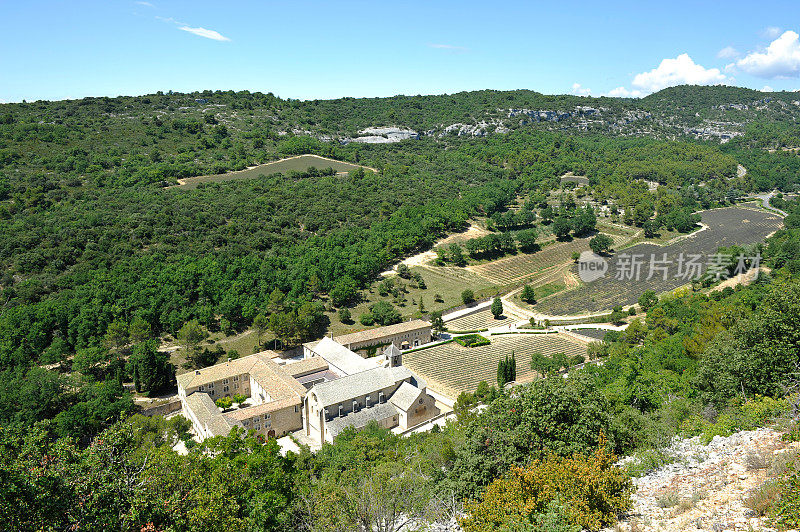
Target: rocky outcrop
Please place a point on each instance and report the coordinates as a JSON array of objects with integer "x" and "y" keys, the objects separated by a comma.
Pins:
[
  {"x": 707, "y": 486},
  {"x": 383, "y": 135}
]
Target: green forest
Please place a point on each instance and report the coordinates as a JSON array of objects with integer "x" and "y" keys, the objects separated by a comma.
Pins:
[{"x": 102, "y": 258}]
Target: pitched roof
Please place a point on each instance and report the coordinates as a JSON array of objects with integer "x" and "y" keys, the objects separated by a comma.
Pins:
[
  {"x": 382, "y": 332},
  {"x": 260, "y": 366},
  {"x": 339, "y": 358},
  {"x": 361, "y": 418},
  {"x": 358, "y": 384},
  {"x": 391, "y": 351},
  {"x": 405, "y": 396},
  {"x": 264, "y": 408},
  {"x": 209, "y": 415},
  {"x": 305, "y": 366},
  {"x": 220, "y": 371}
]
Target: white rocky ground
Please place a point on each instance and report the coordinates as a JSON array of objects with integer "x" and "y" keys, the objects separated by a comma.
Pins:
[{"x": 707, "y": 486}]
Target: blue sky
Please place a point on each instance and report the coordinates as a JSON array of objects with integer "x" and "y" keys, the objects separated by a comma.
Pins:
[{"x": 305, "y": 49}]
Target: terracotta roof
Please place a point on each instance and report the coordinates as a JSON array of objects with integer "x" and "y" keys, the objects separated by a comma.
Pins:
[
  {"x": 216, "y": 372},
  {"x": 381, "y": 332},
  {"x": 264, "y": 408}
]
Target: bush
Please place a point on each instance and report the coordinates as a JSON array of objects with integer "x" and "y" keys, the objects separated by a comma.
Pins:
[
  {"x": 345, "y": 316},
  {"x": 472, "y": 340},
  {"x": 647, "y": 461},
  {"x": 593, "y": 490},
  {"x": 366, "y": 319},
  {"x": 468, "y": 296}
]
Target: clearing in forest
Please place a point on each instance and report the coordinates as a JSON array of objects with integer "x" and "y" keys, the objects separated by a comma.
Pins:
[
  {"x": 451, "y": 369},
  {"x": 299, "y": 163}
]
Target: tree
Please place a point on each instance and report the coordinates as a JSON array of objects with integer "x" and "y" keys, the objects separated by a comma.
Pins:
[
  {"x": 117, "y": 335},
  {"x": 403, "y": 271},
  {"x": 497, "y": 308},
  {"x": 261, "y": 325},
  {"x": 385, "y": 313},
  {"x": 618, "y": 316},
  {"x": 224, "y": 402},
  {"x": 575, "y": 256},
  {"x": 284, "y": 326},
  {"x": 139, "y": 330},
  {"x": 759, "y": 354},
  {"x": 561, "y": 227},
  {"x": 437, "y": 323},
  {"x": 601, "y": 244},
  {"x": 468, "y": 296},
  {"x": 191, "y": 334},
  {"x": 344, "y": 292},
  {"x": 276, "y": 302},
  {"x": 564, "y": 486},
  {"x": 456, "y": 255},
  {"x": 527, "y": 239},
  {"x": 239, "y": 399},
  {"x": 648, "y": 300},
  {"x": 345, "y": 316},
  {"x": 549, "y": 416},
  {"x": 528, "y": 294},
  {"x": 151, "y": 368}
]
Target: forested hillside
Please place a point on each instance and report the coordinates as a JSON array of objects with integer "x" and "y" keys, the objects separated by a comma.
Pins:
[{"x": 101, "y": 257}]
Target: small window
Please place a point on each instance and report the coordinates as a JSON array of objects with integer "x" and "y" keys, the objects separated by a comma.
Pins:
[
  {"x": 421, "y": 400},
  {"x": 236, "y": 378},
  {"x": 200, "y": 389},
  {"x": 257, "y": 426},
  {"x": 224, "y": 389},
  {"x": 224, "y": 381},
  {"x": 295, "y": 409}
]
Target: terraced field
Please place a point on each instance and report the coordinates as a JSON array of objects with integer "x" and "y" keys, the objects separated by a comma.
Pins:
[
  {"x": 726, "y": 227},
  {"x": 452, "y": 369},
  {"x": 292, "y": 164},
  {"x": 530, "y": 266},
  {"x": 594, "y": 334},
  {"x": 481, "y": 320}
]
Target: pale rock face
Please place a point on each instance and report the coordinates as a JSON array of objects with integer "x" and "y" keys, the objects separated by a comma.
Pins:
[{"x": 383, "y": 135}]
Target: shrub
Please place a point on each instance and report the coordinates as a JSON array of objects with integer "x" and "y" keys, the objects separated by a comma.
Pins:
[
  {"x": 366, "y": 319},
  {"x": 762, "y": 499},
  {"x": 345, "y": 316},
  {"x": 472, "y": 340},
  {"x": 647, "y": 461},
  {"x": 239, "y": 398},
  {"x": 224, "y": 402},
  {"x": 592, "y": 489},
  {"x": 787, "y": 507},
  {"x": 468, "y": 296}
]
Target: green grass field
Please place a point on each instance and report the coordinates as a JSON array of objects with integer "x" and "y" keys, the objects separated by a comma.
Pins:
[
  {"x": 292, "y": 164},
  {"x": 452, "y": 369}
]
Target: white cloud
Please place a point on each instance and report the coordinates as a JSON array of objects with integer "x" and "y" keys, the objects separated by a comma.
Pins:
[
  {"x": 729, "y": 52},
  {"x": 622, "y": 92},
  {"x": 781, "y": 59},
  {"x": 770, "y": 32},
  {"x": 203, "y": 32},
  {"x": 767, "y": 88},
  {"x": 580, "y": 90},
  {"x": 145, "y": 4},
  {"x": 678, "y": 71}
]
